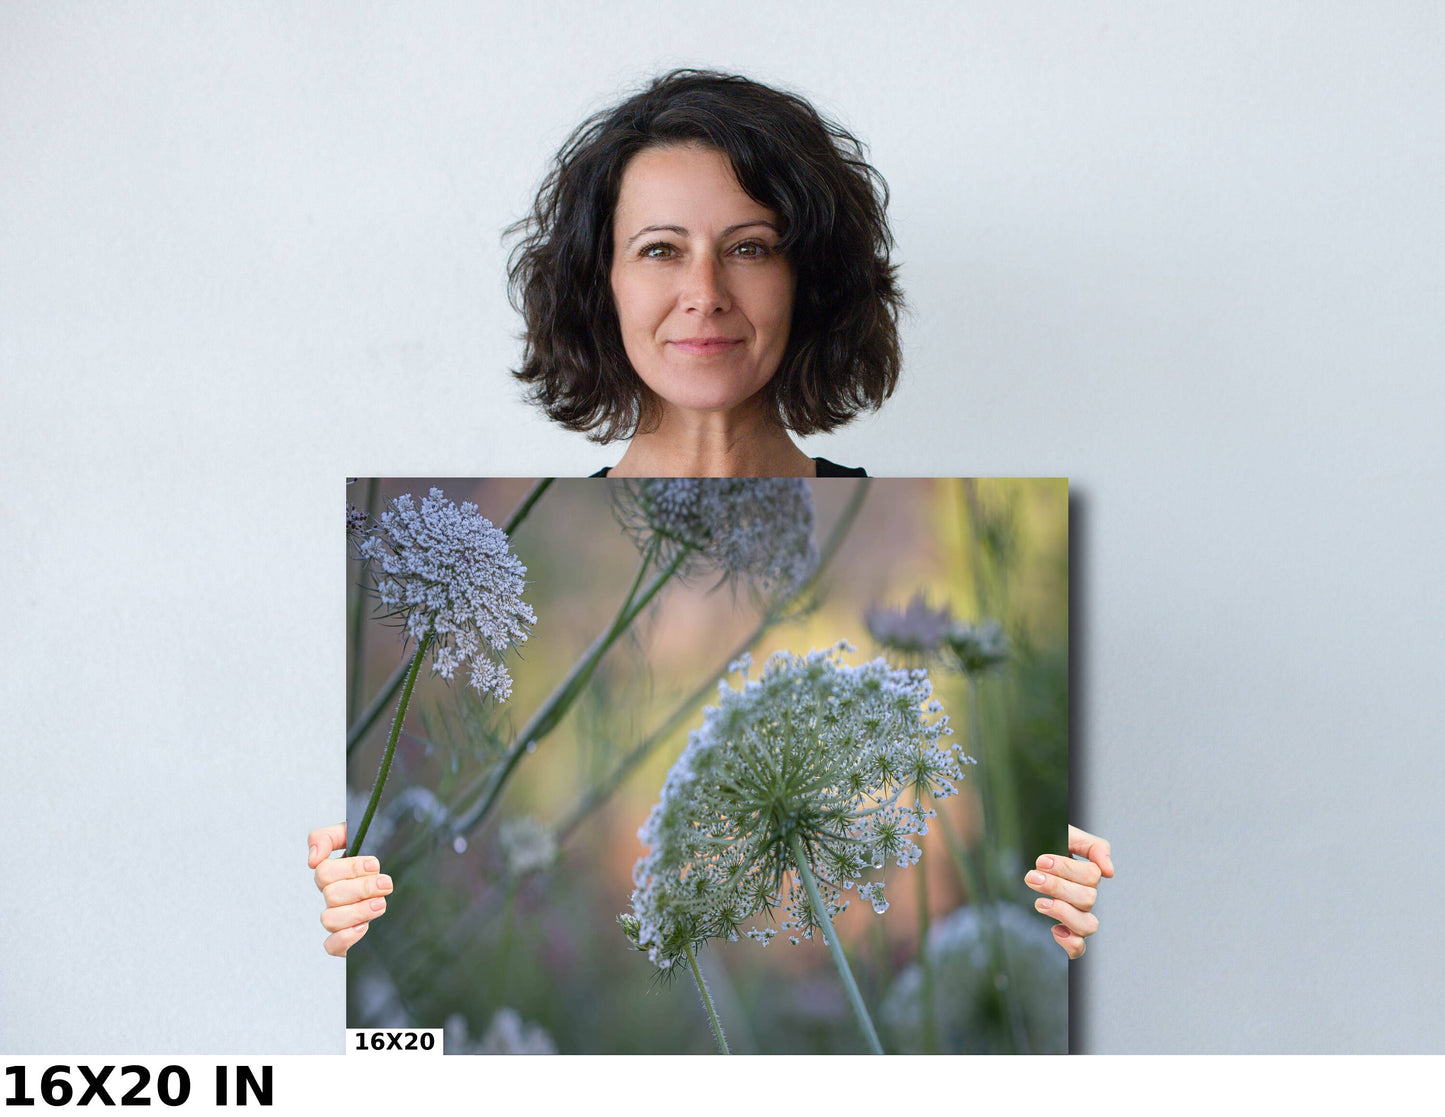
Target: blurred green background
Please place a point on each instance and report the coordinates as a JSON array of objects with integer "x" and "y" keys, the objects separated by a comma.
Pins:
[{"x": 537, "y": 961}]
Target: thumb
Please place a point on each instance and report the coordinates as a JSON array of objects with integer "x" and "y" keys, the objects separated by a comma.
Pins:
[
  {"x": 320, "y": 843},
  {"x": 1095, "y": 848}
]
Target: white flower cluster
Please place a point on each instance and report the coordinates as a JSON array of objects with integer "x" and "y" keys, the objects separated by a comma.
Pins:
[
  {"x": 756, "y": 529},
  {"x": 921, "y": 632},
  {"x": 915, "y": 630},
  {"x": 507, "y": 1034},
  {"x": 528, "y": 845},
  {"x": 816, "y": 749},
  {"x": 449, "y": 573}
]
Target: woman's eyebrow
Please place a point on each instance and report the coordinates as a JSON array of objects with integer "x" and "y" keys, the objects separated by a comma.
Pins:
[{"x": 680, "y": 231}]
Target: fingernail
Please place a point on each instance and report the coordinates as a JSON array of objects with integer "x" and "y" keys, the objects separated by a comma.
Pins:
[
  {"x": 313, "y": 854},
  {"x": 1061, "y": 931},
  {"x": 371, "y": 865},
  {"x": 378, "y": 905},
  {"x": 383, "y": 882},
  {"x": 1036, "y": 878},
  {"x": 1043, "y": 903},
  {"x": 1046, "y": 862}
]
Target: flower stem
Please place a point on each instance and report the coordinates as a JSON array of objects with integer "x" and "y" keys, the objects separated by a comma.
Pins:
[
  {"x": 519, "y": 513},
  {"x": 593, "y": 798},
  {"x": 368, "y": 716},
  {"x": 504, "y": 950},
  {"x": 925, "y": 960},
  {"x": 820, "y": 913},
  {"x": 551, "y": 712},
  {"x": 386, "y": 756},
  {"x": 717, "y": 1028}
]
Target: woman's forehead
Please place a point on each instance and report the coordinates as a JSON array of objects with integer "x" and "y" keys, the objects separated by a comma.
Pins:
[{"x": 685, "y": 185}]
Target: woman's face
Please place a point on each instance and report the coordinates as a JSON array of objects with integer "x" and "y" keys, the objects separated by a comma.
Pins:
[{"x": 703, "y": 296}]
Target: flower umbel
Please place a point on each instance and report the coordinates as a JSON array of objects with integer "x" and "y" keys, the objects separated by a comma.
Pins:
[
  {"x": 917, "y": 630},
  {"x": 978, "y": 647},
  {"x": 814, "y": 750},
  {"x": 448, "y": 573},
  {"x": 756, "y": 529},
  {"x": 527, "y": 844}
]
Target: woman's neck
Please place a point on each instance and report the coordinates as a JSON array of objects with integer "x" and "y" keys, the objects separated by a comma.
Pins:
[{"x": 736, "y": 444}]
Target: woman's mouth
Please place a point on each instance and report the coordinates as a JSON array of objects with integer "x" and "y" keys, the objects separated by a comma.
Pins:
[{"x": 706, "y": 346}]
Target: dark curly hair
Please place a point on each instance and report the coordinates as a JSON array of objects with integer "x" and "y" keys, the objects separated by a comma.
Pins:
[{"x": 843, "y": 352}]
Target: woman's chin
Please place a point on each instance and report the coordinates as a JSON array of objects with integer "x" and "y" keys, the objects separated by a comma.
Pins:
[{"x": 708, "y": 400}]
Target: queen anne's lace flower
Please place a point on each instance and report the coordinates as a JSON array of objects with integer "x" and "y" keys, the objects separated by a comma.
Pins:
[
  {"x": 979, "y": 647},
  {"x": 922, "y": 633},
  {"x": 447, "y": 572},
  {"x": 814, "y": 748},
  {"x": 757, "y": 529},
  {"x": 527, "y": 844},
  {"x": 916, "y": 630}
]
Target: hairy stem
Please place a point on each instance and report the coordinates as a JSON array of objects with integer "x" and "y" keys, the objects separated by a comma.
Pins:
[
  {"x": 717, "y": 1028},
  {"x": 386, "y": 756},
  {"x": 820, "y": 912}
]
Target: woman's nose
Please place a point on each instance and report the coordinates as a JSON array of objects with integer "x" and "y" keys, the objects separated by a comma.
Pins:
[{"x": 705, "y": 288}]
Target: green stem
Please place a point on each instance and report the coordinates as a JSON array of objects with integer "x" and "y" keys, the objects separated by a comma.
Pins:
[
  {"x": 519, "y": 513},
  {"x": 364, "y": 722},
  {"x": 999, "y": 955},
  {"x": 373, "y": 709},
  {"x": 593, "y": 798},
  {"x": 717, "y": 1028},
  {"x": 551, "y": 712},
  {"x": 509, "y": 920},
  {"x": 928, "y": 1008},
  {"x": 390, "y": 746},
  {"x": 820, "y": 915}
]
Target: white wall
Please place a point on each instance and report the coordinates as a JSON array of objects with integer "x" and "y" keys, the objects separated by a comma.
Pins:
[{"x": 1187, "y": 255}]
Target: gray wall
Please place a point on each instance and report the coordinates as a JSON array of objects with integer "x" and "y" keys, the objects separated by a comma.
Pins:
[{"x": 1187, "y": 255}]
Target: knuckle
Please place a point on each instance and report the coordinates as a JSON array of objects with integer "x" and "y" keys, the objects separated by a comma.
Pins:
[{"x": 1089, "y": 923}]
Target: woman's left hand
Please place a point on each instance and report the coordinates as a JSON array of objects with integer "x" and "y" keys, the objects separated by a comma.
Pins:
[{"x": 1070, "y": 887}]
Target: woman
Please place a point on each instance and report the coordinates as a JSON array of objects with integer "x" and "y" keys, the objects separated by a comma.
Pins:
[{"x": 705, "y": 273}]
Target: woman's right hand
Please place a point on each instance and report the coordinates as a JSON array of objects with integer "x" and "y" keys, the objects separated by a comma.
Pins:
[{"x": 355, "y": 888}]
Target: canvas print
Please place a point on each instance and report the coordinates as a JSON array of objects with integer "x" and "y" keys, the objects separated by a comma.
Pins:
[{"x": 735, "y": 765}]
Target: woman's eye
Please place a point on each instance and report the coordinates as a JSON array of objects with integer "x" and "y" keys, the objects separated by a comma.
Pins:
[
  {"x": 751, "y": 249},
  {"x": 658, "y": 251}
]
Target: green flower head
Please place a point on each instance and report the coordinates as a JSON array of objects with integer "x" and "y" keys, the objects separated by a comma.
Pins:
[{"x": 842, "y": 757}]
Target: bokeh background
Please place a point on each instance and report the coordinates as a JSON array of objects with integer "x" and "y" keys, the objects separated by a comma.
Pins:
[{"x": 534, "y": 960}]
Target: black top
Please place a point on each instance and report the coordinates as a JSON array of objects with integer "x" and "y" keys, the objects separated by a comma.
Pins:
[{"x": 825, "y": 469}]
